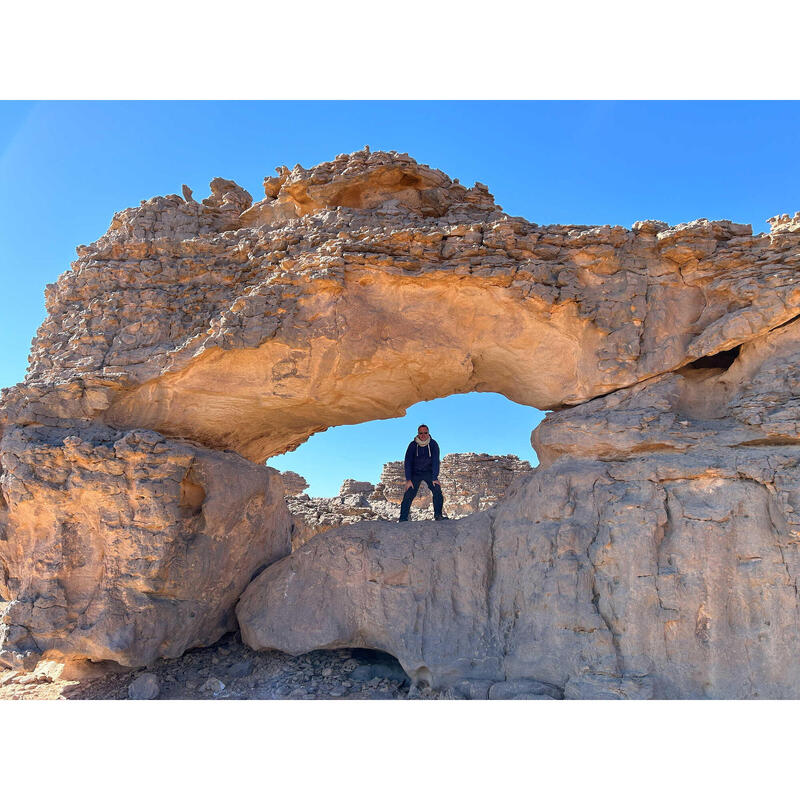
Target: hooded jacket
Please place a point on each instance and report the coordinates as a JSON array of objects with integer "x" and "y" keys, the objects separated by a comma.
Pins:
[{"x": 421, "y": 459}]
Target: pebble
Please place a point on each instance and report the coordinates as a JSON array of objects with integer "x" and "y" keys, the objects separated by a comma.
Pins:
[
  {"x": 213, "y": 685},
  {"x": 144, "y": 687},
  {"x": 240, "y": 670}
]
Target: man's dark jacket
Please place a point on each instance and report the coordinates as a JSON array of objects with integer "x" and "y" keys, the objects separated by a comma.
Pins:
[{"x": 421, "y": 459}]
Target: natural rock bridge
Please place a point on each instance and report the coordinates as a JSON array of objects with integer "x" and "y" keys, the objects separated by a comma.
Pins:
[{"x": 652, "y": 554}]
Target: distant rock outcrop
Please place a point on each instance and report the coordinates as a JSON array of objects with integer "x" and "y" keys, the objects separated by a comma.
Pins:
[
  {"x": 470, "y": 482},
  {"x": 293, "y": 483}
]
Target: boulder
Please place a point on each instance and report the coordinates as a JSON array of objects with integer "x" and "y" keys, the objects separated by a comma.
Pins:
[
  {"x": 351, "y": 587},
  {"x": 127, "y": 546}
]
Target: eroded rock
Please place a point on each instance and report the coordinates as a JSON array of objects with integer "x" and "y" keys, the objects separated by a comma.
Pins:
[
  {"x": 144, "y": 687},
  {"x": 355, "y": 584},
  {"x": 127, "y": 546},
  {"x": 293, "y": 483},
  {"x": 652, "y": 554},
  {"x": 359, "y": 308},
  {"x": 470, "y": 482}
]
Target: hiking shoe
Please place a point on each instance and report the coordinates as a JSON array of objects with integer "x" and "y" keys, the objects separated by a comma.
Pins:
[
  {"x": 441, "y": 516},
  {"x": 402, "y": 520}
]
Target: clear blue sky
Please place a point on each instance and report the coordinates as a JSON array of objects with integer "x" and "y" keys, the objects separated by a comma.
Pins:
[{"x": 66, "y": 167}]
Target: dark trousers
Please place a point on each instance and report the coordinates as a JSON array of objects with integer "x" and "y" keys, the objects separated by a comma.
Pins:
[{"x": 408, "y": 497}]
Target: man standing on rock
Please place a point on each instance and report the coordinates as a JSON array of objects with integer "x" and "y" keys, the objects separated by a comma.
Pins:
[{"x": 422, "y": 464}]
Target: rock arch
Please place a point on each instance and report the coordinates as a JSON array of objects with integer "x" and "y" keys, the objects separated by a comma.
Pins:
[{"x": 194, "y": 335}]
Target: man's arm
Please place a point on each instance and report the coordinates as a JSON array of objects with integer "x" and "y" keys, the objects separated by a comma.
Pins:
[
  {"x": 435, "y": 460},
  {"x": 409, "y": 461}
]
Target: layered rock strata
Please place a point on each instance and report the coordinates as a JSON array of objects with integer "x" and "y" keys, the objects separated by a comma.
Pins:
[
  {"x": 293, "y": 483},
  {"x": 250, "y": 334},
  {"x": 652, "y": 553}
]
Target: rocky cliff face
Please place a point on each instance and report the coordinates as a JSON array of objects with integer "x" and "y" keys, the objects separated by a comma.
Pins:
[{"x": 653, "y": 553}]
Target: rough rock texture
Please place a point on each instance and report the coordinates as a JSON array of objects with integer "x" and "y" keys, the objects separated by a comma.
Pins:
[
  {"x": 346, "y": 674},
  {"x": 293, "y": 483},
  {"x": 313, "y": 515},
  {"x": 356, "y": 584},
  {"x": 250, "y": 334},
  {"x": 144, "y": 687},
  {"x": 470, "y": 482},
  {"x": 127, "y": 546},
  {"x": 653, "y": 552},
  {"x": 350, "y": 486}
]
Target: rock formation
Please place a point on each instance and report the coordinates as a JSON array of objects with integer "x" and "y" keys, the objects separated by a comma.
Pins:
[
  {"x": 470, "y": 482},
  {"x": 127, "y": 546},
  {"x": 313, "y": 515},
  {"x": 293, "y": 483},
  {"x": 653, "y": 553}
]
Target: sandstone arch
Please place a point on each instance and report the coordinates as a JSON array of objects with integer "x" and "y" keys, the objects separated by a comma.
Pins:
[
  {"x": 376, "y": 349},
  {"x": 353, "y": 290}
]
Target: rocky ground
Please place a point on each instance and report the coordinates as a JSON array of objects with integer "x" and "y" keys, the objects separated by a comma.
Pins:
[{"x": 229, "y": 670}]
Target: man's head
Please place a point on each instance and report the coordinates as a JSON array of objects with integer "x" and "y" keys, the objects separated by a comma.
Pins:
[{"x": 422, "y": 432}]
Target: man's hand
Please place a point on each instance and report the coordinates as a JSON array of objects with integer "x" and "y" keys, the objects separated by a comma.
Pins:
[
  {"x": 436, "y": 483},
  {"x": 409, "y": 485}
]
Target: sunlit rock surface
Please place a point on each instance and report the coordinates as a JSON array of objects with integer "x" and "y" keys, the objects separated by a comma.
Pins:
[
  {"x": 127, "y": 546},
  {"x": 653, "y": 552},
  {"x": 655, "y": 555}
]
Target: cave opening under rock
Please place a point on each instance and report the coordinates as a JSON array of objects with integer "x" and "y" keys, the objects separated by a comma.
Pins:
[
  {"x": 722, "y": 360},
  {"x": 377, "y": 664}
]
